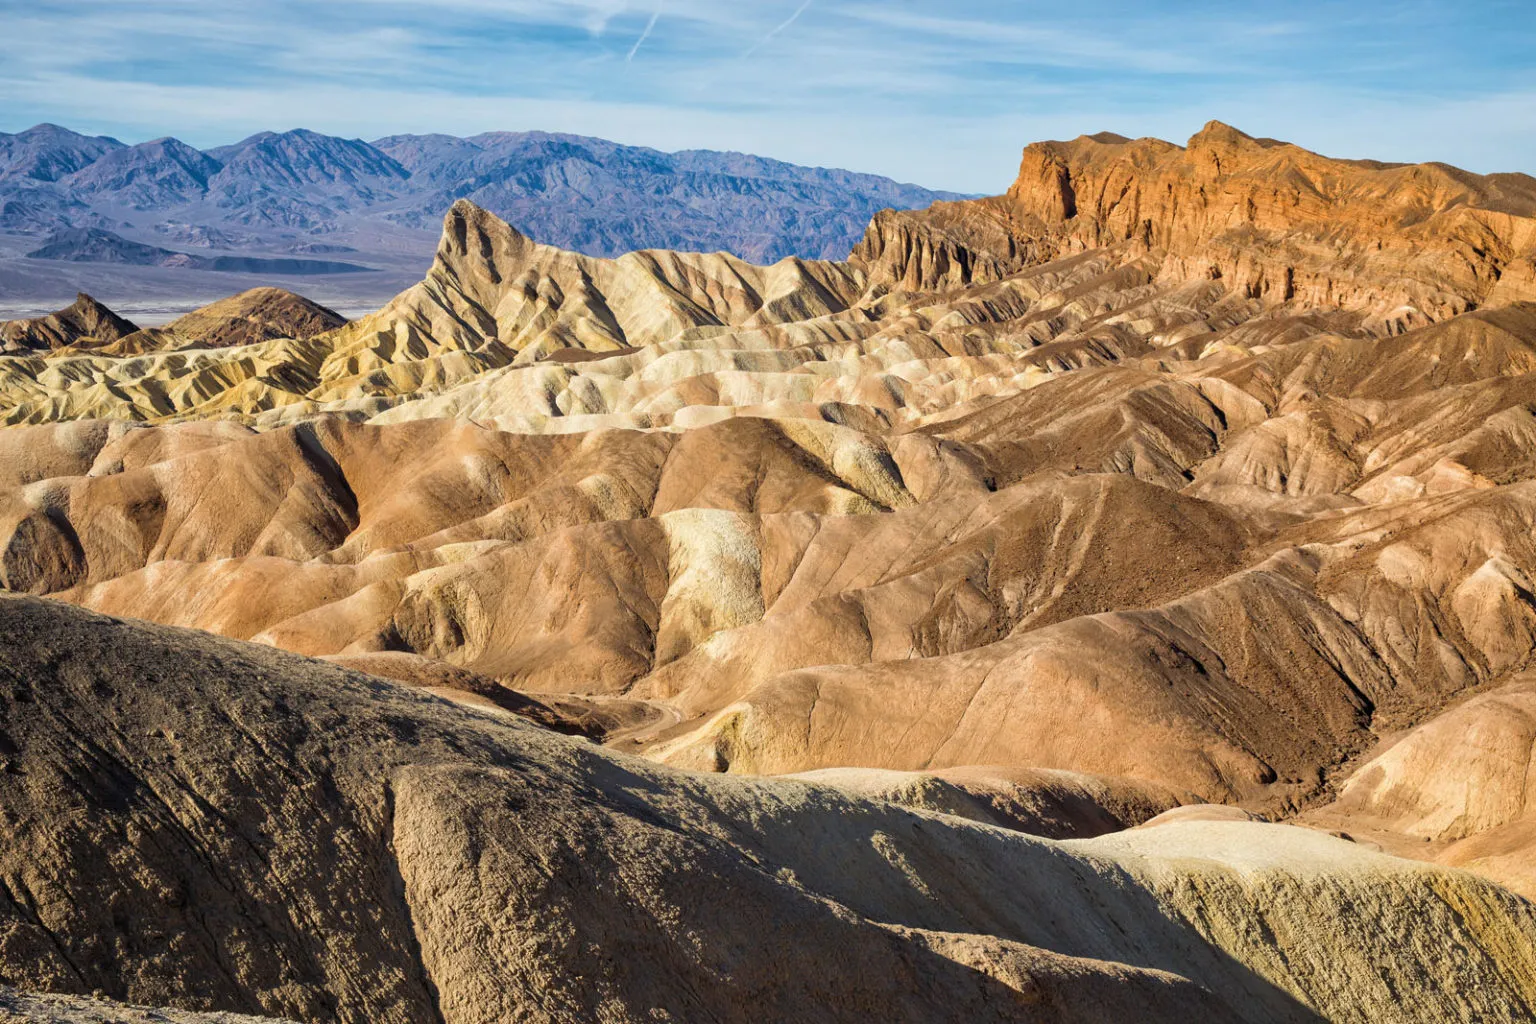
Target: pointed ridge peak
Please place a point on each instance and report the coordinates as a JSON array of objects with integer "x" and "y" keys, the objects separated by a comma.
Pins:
[
  {"x": 93, "y": 309},
  {"x": 251, "y": 140},
  {"x": 469, "y": 228},
  {"x": 84, "y": 320},
  {"x": 467, "y": 210},
  {"x": 97, "y": 309}
]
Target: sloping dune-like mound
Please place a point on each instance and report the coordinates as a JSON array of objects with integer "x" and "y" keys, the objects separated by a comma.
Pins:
[
  {"x": 294, "y": 839},
  {"x": 1188, "y": 486}
]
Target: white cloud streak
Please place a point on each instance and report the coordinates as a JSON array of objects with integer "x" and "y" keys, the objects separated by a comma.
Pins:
[
  {"x": 780, "y": 27},
  {"x": 649, "y": 27}
]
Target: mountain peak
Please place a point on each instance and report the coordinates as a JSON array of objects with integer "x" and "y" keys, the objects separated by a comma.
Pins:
[
  {"x": 256, "y": 315},
  {"x": 162, "y": 172},
  {"x": 475, "y": 240},
  {"x": 48, "y": 152},
  {"x": 300, "y": 158},
  {"x": 48, "y": 131},
  {"x": 588, "y": 194}
]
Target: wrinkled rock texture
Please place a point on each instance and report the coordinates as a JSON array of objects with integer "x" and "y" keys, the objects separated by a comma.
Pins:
[{"x": 261, "y": 314}]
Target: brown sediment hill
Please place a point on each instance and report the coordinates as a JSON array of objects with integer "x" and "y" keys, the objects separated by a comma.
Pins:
[
  {"x": 1461, "y": 787},
  {"x": 198, "y": 823},
  {"x": 254, "y": 316},
  {"x": 85, "y": 323},
  {"x": 257, "y": 315}
]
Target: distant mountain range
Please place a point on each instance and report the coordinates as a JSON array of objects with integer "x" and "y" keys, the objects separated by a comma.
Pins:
[{"x": 304, "y": 192}]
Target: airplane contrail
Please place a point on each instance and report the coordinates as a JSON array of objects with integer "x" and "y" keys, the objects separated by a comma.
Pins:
[
  {"x": 644, "y": 35},
  {"x": 779, "y": 28}
]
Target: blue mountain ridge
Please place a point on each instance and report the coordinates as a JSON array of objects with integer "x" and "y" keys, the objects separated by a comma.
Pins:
[{"x": 291, "y": 188}]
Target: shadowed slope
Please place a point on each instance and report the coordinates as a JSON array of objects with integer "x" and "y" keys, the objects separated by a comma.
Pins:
[{"x": 294, "y": 839}]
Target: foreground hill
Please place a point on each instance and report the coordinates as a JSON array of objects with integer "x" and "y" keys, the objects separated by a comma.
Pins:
[{"x": 211, "y": 825}]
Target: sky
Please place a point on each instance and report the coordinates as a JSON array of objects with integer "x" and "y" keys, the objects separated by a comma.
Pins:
[{"x": 942, "y": 94}]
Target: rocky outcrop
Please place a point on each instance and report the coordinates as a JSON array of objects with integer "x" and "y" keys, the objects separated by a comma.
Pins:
[
  {"x": 488, "y": 280},
  {"x": 1401, "y": 244},
  {"x": 945, "y": 247}
]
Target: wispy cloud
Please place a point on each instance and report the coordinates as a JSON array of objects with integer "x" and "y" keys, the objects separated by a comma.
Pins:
[
  {"x": 646, "y": 34},
  {"x": 780, "y": 27}
]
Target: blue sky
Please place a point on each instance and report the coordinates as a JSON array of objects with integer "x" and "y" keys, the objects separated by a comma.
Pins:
[{"x": 943, "y": 94}]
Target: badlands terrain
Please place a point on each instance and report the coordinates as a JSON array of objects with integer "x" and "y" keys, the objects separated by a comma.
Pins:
[{"x": 1110, "y": 600}]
